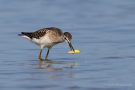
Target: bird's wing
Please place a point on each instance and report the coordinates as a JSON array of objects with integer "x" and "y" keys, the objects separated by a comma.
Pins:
[{"x": 38, "y": 34}]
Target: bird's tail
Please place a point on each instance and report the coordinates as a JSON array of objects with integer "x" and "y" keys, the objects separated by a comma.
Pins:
[{"x": 27, "y": 35}]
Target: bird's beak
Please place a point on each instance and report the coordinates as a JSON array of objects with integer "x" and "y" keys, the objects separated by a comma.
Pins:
[{"x": 70, "y": 45}]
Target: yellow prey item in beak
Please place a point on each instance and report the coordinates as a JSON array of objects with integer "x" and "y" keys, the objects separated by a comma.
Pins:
[{"x": 74, "y": 52}]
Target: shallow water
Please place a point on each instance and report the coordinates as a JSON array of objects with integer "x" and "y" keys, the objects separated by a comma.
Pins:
[{"x": 102, "y": 29}]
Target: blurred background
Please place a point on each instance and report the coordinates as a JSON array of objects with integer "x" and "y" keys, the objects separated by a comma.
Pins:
[{"x": 104, "y": 31}]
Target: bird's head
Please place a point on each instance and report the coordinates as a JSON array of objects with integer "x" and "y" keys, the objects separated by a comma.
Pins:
[{"x": 68, "y": 38}]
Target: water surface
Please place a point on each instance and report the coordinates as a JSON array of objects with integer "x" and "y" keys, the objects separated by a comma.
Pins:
[{"x": 102, "y": 29}]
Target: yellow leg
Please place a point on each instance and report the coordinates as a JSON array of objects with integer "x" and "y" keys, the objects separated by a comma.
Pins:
[
  {"x": 40, "y": 55},
  {"x": 46, "y": 58}
]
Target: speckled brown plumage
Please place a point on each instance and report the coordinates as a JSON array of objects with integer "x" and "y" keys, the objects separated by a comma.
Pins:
[{"x": 41, "y": 32}]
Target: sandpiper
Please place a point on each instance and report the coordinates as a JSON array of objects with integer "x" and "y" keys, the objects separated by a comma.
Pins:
[{"x": 47, "y": 38}]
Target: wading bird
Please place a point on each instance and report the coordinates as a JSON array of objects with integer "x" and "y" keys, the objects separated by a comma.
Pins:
[{"x": 47, "y": 38}]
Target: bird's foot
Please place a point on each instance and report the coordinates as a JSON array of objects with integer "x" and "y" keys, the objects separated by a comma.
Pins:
[
  {"x": 40, "y": 58},
  {"x": 46, "y": 59}
]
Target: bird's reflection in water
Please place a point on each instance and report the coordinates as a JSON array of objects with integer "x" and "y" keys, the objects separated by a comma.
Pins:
[{"x": 55, "y": 65}]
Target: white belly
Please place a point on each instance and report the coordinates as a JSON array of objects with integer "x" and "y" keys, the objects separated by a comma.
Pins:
[{"x": 43, "y": 42}]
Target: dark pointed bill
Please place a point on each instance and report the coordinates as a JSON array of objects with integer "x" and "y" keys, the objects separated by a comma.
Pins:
[{"x": 71, "y": 46}]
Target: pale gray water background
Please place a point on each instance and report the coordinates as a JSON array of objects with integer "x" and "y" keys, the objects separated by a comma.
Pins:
[{"x": 104, "y": 31}]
